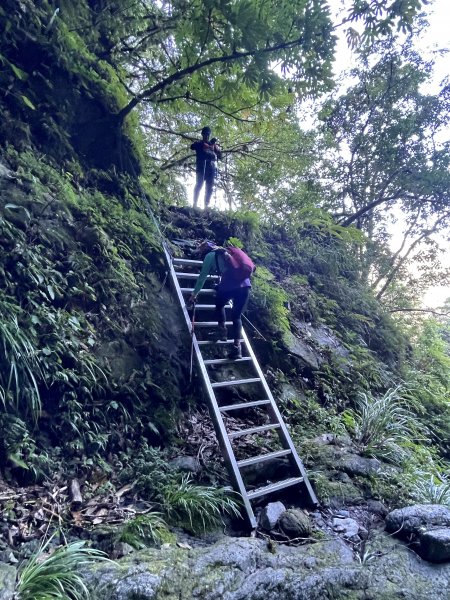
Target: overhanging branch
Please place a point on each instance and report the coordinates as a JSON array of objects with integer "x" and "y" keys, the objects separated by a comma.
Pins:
[
  {"x": 423, "y": 310},
  {"x": 182, "y": 73}
]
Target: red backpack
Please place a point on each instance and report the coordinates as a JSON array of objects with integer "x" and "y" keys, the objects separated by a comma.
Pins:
[{"x": 240, "y": 266}]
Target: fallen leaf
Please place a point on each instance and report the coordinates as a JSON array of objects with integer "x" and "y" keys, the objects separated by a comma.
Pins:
[
  {"x": 76, "y": 516},
  {"x": 184, "y": 545},
  {"x": 124, "y": 490}
]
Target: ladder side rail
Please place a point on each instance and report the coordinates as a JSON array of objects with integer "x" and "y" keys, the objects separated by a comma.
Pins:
[
  {"x": 283, "y": 431},
  {"x": 221, "y": 432}
]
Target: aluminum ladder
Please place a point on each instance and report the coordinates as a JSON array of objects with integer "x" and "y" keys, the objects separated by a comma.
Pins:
[{"x": 235, "y": 467}]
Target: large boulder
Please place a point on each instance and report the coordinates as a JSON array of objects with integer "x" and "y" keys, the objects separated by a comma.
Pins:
[
  {"x": 410, "y": 520},
  {"x": 247, "y": 569},
  {"x": 353, "y": 465},
  {"x": 233, "y": 569},
  {"x": 426, "y": 526},
  {"x": 302, "y": 350},
  {"x": 435, "y": 545}
]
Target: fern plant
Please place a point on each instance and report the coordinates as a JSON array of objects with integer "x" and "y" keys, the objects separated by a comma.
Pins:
[{"x": 55, "y": 577}]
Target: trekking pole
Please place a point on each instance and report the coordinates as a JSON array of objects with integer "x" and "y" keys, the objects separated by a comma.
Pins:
[
  {"x": 192, "y": 342},
  {"x": 164, "y": 282},
  {"x": 257, "y": 331}
]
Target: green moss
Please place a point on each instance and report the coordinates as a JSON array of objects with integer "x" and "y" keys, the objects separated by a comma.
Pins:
[
  {"x": 328, "y": 491},
  {"x": 271, "y": 300}
]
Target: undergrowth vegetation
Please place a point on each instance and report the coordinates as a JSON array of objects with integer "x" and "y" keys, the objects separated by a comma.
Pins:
[
  {"x": 176, "y": 498},
  {"x": 197, "y": 508},
  {"x": 75, "y": 275},
  {"x": 385, "y": 426},
  {"x": 56, "y": 575}
]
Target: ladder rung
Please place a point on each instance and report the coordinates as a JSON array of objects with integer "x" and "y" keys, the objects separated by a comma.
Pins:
[
  {"x": 185, "y": 261},
  {"x": 274, "y": 487},
  {"x": 263, "y": 457},
  {"x": 210, "y": 323},
  {"x": 214, "y": 343},
  {"x": 243, "y": 405},
  {"x": 219, "y": 384},
  {"x": 202, "y": 291},
  {"x": 193, "y": 276},
  {"x": 226, "y": 361},
  {"x": 209, "y": 306},
  {"x": 251, "y": 430}
]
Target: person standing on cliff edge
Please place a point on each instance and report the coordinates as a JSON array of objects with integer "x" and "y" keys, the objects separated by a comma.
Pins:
[{"x": 208, "y": 152}]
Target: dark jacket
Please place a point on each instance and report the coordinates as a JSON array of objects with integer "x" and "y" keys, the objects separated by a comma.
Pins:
[{"x": 207, "y": 153}]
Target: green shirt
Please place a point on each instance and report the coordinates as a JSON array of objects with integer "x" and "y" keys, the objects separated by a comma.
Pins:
[{"x": 209, "y": 267}]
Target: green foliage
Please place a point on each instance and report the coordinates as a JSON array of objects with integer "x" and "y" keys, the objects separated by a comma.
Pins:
[
  {"x": 427, "y": 374},
  {"x": 386, "y": 426},
  {"x": 180, "y": 501},
  {"x": 382, "y": 20},
  {"x": 396, "y": 163},
  {"x": 146, "y": 529},
  {"x": 150, "y": 471},
  {"x": 271, "y": 300},
  {"x": 56, "y": 576},
  {"x": 20, "y": 367},
  {"x": 66, "y": 295},
  {"x": 196, "y": 507},
  {"x": 235, "y": 242},
  {"x": 21, "y": 450},
  {"x": 307, "y": 417},
  {"x": 431, "y": 489}
]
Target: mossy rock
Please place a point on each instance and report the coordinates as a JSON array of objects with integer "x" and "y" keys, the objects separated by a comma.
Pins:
[
  {"x": 237, "y": 568},
  {"x": 336, "y": 494},
  {"x": 295, "y": 523}
]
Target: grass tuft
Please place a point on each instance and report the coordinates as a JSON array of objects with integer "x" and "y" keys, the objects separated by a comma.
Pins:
[
  {"x": 144, "y": 529},
  {"x": 430, "y": 489},
  {"x": 55, "y": 576},
  {"x": 195, "y": 507},
  {"x": 386, "y": 426}
]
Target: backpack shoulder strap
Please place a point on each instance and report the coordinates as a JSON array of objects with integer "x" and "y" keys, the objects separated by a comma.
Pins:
[
  {"x": 216, "y": 253},
  {"x": 222, "y": 252}
]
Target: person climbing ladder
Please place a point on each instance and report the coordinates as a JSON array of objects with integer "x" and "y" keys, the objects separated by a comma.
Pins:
[
  {"x": 235, "y": 269},
  {"x": 207, "y": 152}
]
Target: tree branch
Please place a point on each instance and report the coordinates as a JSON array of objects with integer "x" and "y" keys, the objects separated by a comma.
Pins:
[
  {"x": 398, "y": 253},
  {"x": 425, "y": 310},
  {"x": 403, "y": 259},
  {"x": 367, "y": 208},
  {"x": 185, "y": 136},
  {"x": 182, "y": 73}
]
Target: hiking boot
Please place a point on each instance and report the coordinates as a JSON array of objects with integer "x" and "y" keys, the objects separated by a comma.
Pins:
[
  {"x": 221, "y": 335},
  {"x": 235, "y": 352}
]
